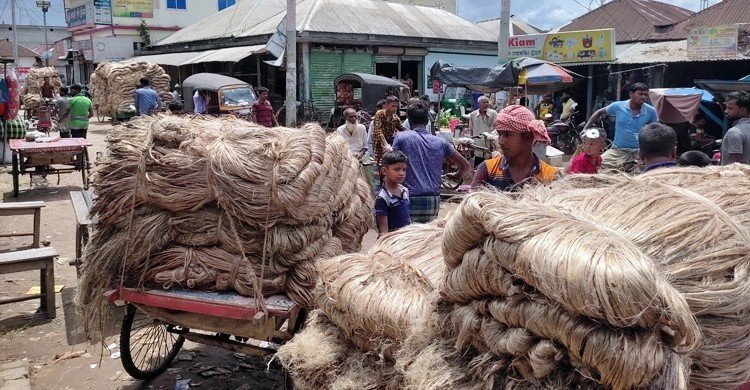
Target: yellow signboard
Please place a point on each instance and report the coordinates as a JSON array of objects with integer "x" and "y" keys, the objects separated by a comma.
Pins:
[
  {"x": 565, "y": 47},
  {"x": 133, "y": 8}
]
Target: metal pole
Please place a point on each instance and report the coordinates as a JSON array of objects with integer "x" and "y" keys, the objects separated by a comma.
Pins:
[
  {"x": 590, "y": 92},
  {"x": 504, "y": 34},
  {"x": 306, "y": 71},
  {"x": 46, "y": 43},
  {"x": 291, "y": 62},
  {"x": 15, "y": 33}
]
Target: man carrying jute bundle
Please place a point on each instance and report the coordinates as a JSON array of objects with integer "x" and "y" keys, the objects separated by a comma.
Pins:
[{"x": 518, "y": 165}]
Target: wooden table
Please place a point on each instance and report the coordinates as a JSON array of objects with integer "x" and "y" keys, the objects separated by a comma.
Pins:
[{"x": 64, "y": 155}]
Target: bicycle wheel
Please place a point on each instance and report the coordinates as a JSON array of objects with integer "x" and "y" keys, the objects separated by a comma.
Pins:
[
  {"x": 99, "y": 114},
  {"x": 147, "y": 345}
]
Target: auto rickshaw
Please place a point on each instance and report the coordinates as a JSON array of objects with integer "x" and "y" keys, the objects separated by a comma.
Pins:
[
  {"x": 225, "y": 95},
  {"x": 362, "y": 92}
]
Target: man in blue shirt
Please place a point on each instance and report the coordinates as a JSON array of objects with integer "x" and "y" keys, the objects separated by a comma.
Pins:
[
  {"x": 425, "y": 153},
  {"x": 147, "y": 101},
  {"x": 630, "y": 117}
]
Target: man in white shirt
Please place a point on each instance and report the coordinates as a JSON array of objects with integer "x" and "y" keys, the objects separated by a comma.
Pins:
[
  {"x": 354, "y": 133},
  {"x": 480, "y": 121}
]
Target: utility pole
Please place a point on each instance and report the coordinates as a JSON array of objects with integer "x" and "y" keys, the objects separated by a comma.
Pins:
[
  {"x": 291, "y": 63},
  {"x": 502, "y": 39},
  {"x": 15, "y": 33},
  {"x": 44, "y": 5}
]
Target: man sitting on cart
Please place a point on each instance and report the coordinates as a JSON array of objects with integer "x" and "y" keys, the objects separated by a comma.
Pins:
[
  {"x": 79, "y": 110},
  {"x": 47, "y": 90}
]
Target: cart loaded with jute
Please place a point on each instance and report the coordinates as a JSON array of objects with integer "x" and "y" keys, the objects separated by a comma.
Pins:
[
  {"x": 220, "y": 205},
  {"x": 609, "y": 282}
]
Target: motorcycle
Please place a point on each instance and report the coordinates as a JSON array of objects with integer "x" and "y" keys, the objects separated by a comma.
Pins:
[{"x": 565, "y": 134}]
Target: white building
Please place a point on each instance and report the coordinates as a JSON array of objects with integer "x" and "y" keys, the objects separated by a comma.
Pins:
[{"x": 112, "y": 32}]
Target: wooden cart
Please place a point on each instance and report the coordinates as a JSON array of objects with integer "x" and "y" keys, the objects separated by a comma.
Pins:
[
  {"x": 64, "y": 155},
  {"x": 157, "y": 322}
]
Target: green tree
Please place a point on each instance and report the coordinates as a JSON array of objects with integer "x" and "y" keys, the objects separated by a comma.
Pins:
[{"x": 145, "y": 35}]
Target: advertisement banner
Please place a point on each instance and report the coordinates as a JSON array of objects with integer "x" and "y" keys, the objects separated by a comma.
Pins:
[
  {"x": 77, "y": 16},
  {"x": 565, "y": 47},
  {"x": 713, "y": 41},
  {"x": 102, "y": 12},
  {"x": 132, "y": 8}
]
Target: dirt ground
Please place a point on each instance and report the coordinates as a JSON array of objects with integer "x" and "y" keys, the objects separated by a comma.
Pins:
[{"x": 24, "y": 335}]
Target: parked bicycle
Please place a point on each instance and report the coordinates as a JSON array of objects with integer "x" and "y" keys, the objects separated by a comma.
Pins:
[{"x": 306, "y": 112}]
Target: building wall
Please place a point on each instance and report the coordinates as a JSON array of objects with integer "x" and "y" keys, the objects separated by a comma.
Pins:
[
  {"x": 448, "y": 5},
  {"x": 194, "y": 11},
  {"x": 33, "y": 36}
]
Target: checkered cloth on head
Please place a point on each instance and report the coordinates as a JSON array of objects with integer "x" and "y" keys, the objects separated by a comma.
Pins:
[
  {"x": 14, "y": 129},
  {"x": 520, "y": 119}
]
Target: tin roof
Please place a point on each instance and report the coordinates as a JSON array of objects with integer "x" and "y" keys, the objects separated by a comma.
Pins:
[
  {"x": 633, "y": 20},
  {"x": 518, "y": 27},
  {"x": 723, "y": 12},
  {"x": 362, "y": 17},
  {"x": 6, "y": 50}
]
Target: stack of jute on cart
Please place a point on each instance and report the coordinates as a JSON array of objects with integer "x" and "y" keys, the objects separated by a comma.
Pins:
[
  {"x": 632, "y": 283},
  {"x": 220, "y": 204},
  {"x": 32, "y": 97},
  {"x": 113, "y": 84}
]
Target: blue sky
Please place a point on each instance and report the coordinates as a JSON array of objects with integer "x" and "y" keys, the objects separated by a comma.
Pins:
[
  {"x": 545, "y": 14},
  {"x": 28, "y": 13}
]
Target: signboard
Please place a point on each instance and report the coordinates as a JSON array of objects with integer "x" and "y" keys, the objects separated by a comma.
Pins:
[
  {"x": 435, "y": 86},
  {"x": 113, "y": 48},
  {"x": 76, "y": 16},
  {"x": 84, "y": 47},
  {"x": 565, "y": 47},
  {"x": 102, "y": 12},
  {"x": 133, "y": 8},
  {"x": 725, "y": 41},
  {"x": 88, "y": 12}
]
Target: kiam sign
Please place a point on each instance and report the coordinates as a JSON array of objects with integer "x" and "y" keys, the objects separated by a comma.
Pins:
[{"x": 565, "y": 47}]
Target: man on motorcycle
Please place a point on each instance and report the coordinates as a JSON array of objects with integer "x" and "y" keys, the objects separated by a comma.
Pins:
[
  {"x": 630, "y": 117},
  {"x": 544, "y": 107},
  {"x": 567, "y": 106}
]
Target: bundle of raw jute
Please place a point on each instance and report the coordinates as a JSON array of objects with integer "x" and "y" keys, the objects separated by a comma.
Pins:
[
  {"x": 369, "y": 304},
  {"x": 113, "y": 84},
  {"x": 632, "y": 285},
  {"x": 377, "y": 297},
  {"x": 222, "y": 204},
  {"x": 31, "y": 95}
]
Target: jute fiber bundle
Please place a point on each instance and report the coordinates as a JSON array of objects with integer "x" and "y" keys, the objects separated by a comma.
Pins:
[
  {"x": 32, "y": 97},
  {"x": 113, "y": 84},
  {"x": 222, "y": 204},
  {"x": 637, "y": 284},
  {"x": 377, "y": 297}
]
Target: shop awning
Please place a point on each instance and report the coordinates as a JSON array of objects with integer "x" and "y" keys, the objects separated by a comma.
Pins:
[{"x": 229, "y": 54}]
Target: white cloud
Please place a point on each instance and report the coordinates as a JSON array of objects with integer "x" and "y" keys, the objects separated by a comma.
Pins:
[{"x": 545, "y": 14}]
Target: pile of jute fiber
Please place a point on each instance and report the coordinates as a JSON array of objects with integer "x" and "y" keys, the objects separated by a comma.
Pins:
[
  {"x": 113, "y": 84},
  {"x": 633, "y": 283},
  {"x": 368, "y": 304},
  {"x": 222, "y": 204},
  {"x": 32, "y": 97}
]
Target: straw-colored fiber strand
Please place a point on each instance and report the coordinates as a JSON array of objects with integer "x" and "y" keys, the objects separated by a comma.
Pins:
[
  {"x": 216, "y": 183},
  {"x": 31, "y": 95},
  {"x": 576, "y": 264},
  {"x": 113, "y": 84}
]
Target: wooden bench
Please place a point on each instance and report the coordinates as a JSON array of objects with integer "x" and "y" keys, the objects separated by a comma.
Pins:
[
  {"x": 42, "y": 259},
  {"x": 35, "y": 258},
  {"x": 81, "y": 206},
  {"x": 24, "y": 208}
]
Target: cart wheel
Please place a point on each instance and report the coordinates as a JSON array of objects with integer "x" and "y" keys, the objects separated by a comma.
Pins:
[
  {"x": 15, "y": 172},
  {"x": 147, "y": 347},
  {"x": 99, "y": 115}
]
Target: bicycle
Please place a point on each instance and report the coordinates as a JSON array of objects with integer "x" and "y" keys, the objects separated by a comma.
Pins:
[
  {"x": 306, "y": 112},
  {"x": 466, "y": 147}
]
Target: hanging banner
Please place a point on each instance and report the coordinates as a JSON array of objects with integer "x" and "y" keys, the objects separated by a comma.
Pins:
[
  {"x": 88, "y": 12},
  {"x": 102, "y": 12},
  {"x": 564, "y": 47},
  {"x": 724, "y": 41},
  {"x": 133, "y": 8}
]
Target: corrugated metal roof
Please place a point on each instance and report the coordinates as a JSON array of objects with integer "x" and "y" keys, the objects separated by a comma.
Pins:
[
  {"x": 6, "y": 50},
  {"x": 723, "y": 12},
  {"x": 364, "y": 17},
  {"x": 518, "y": 27},
  {"x": 658, "y": 52},
  {"x": 633, "y": 20},
  {"x": 229, "y": 54}
]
